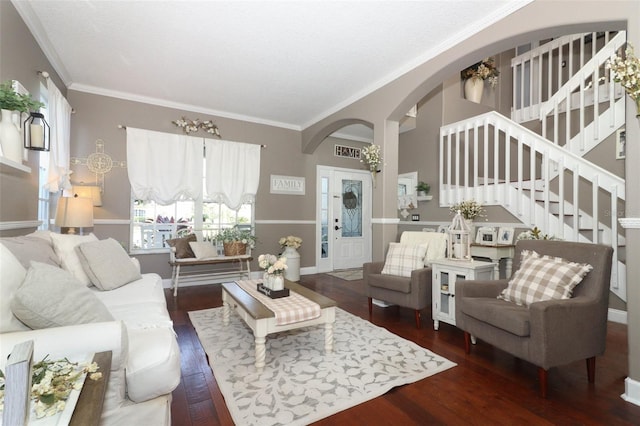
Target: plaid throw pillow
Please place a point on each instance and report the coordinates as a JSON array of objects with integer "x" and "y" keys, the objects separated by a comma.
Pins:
[
  {"x": 543, "y": 278},
  {"x": 404, "y": 258}
]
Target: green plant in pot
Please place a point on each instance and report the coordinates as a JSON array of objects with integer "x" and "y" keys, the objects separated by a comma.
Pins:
[
  {"x": 236, "y": 240},
  {"x": 423, "y": 188},
  {"x": 12, "y": 101},
  {"x": 12, "y": 105}
]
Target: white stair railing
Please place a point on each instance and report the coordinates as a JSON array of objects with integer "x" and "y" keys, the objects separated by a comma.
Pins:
[
  {"x": 496, "y": 161},
  {"x": 590, "y": 87},
  {"x": 540, "y": 72}
]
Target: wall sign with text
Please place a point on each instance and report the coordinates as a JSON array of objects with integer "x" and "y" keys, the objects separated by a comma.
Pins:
[
  {"x": 347, "y": 152},
  {"x": 287, "y": 185}
]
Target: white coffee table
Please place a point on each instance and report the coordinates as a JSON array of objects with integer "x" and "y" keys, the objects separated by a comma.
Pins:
[{"x": 263, "y": 322}]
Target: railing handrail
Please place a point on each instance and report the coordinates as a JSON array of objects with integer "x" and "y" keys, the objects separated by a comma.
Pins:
[
  {"x": 586, "y": 71},
  {"x": 605, "y": 180}
]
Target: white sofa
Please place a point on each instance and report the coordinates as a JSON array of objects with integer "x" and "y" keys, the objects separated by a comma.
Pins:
[{"x": 138, "y": 330}]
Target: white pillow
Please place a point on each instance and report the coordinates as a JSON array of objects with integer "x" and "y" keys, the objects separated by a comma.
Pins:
[
  {"x": 65, "y": 247},
  {"x": 107, "y": 264},
  {"x": 404, "y": 258},
  {"x": 52, "y": 297},
  {"x": 436, "y": 243},
  {"x": 203, "y": 250},
  {"x": 12, "y": 274}
]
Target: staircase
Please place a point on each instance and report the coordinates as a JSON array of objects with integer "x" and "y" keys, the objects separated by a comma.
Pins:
[{"x": 543, "y": 179}]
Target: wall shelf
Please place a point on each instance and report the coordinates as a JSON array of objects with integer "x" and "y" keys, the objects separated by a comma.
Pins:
[
  {"x": 6, "y": 162},
  {"x": 425, "y": 198}
]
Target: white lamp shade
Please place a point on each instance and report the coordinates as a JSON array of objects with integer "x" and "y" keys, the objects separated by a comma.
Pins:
[
  {"x": 87, "y": 191},
  {"x": 74, "y": 212}
]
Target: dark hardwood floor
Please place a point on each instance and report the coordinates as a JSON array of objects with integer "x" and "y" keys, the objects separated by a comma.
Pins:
[{"x": 487, "y": 387}]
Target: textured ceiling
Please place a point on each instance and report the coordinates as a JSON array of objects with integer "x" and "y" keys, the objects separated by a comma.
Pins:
[{"x": 284, "y": 63}]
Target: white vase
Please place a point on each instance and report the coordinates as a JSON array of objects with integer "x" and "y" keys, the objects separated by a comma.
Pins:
[
  {"x": 292, "y": 273},
  {"x": 473, "y": 88},
  {"x": 266, "y": 280},
  {"x": 10, "y": 137},
  {"x": 277, "y": 282}
]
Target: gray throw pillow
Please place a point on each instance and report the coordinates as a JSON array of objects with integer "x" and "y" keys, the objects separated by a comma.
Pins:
[
  {"x": 27, "y": 248},
  {"x": 183, "y": 249},
  {"x": 107, "y": 264},
  {"x": 52, "y": 297}
]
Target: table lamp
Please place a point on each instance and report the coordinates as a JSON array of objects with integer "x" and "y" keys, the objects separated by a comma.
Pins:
[{"x": 74, "y": 213}]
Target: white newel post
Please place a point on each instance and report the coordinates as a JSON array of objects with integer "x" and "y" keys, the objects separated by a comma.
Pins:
[{"x": 293, "y": 264}]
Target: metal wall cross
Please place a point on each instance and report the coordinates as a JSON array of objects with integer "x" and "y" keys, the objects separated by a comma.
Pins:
[{"x": 99, "y": 163}]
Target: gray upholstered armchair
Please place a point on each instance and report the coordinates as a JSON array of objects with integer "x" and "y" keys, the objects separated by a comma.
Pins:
[
  {"x": 549, "y": 333},
  {"x": 410, "y": 292}
]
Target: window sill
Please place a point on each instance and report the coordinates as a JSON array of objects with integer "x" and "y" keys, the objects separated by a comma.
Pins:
[{"x": 12, "y": 164}]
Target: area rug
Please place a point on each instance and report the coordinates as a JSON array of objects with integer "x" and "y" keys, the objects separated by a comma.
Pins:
[
  {"x": 349, "y": 274},
  {"x": 301, "y": 384}
]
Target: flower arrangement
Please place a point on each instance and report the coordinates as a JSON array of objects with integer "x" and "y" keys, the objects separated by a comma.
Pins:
[
  {"x": 483, "y": 70},
  {"x": 627, "y": 73},
  {"x": 290, "y": 241},
  {"x": 469, "y": 209},
  {"x": 235, "y": 234},
  {"x": 52, "y": 383},
  {"x": 272, "y": 264},
  {"x": 189, "y": 126},
  {"x": 535, "y": 234},
  {"x": 370, "y": 156}
]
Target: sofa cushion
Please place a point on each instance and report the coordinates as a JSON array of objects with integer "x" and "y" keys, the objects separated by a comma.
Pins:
[
  {"x": 403, "y": 258},
  {"x": 12, "y": 274},
  {"x": 436, "y": 244},
  {"x": 203, "y": 250},
  {"x": 153, "y": 367},
  {"x": 51, "y": 297},
  {"x": 183, "y": 250},
  {"x": 543, "y": 278},
  {"x": 501, "y": 314},
  {"x": 65, "y": 247},
  {"x": 106, "y": 263},
  {"x": 28, "y": 248},
  {"x": 390, "y": 282}
]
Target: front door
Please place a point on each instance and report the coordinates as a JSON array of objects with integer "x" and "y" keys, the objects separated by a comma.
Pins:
[{"x": 351, "y": 218}]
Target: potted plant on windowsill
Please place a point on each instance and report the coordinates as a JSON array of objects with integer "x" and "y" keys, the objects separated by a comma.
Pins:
[{"x": 236, "y": 240}]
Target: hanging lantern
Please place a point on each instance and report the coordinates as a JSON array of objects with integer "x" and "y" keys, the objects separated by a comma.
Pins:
[
  {"x": 37, "y": 133},
  {"x": 459, "y": 244}
]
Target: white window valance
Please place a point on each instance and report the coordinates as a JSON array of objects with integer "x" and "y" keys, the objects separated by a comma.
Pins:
[
  {"x": 164, "y": 167},
  {"x": 233, "y": 172},
  {"x": 59, "y": 112}
]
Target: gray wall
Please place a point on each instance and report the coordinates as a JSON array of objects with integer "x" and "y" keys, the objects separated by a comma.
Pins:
[{"x": 98, "y": 117}]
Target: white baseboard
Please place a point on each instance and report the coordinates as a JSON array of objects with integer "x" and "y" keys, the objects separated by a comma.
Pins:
[
  {"x": 631, "y": 391},
  {"x": 616, "y": 315}
]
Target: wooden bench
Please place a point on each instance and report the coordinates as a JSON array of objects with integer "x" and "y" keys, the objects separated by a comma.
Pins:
[{"x": 232, "y": 266}]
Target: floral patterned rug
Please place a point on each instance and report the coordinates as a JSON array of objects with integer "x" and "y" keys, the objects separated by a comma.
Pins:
[{"x": 301, "y": 384}]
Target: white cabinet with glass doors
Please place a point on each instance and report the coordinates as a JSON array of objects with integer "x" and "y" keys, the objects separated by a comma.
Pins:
[{"x": 445, "y": 275}]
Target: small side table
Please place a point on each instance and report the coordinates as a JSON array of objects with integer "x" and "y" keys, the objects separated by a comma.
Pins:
[
  {"x": 445, "y": 274},
  {"x": 495, "y": 253}
]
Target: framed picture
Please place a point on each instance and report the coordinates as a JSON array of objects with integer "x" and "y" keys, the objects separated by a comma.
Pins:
[
  {"x": 505, "y": 236},
  {"x": 621, "y": 144},
  {"x": 486, "y": 236}
]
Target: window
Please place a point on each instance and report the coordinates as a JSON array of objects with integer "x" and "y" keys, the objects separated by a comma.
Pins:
[
  {"x": 152, "y": 224},
  {"x": 44, "y": 200}
]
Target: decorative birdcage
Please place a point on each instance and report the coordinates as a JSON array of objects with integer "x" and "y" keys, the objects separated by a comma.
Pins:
[{"x": 459, "y": 244}]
